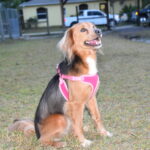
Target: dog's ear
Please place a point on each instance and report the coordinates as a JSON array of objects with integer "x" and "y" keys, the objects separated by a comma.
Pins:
[{"x": 66, "y": 43}]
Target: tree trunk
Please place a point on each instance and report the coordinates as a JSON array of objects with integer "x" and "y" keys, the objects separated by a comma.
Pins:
[
  {"x": 138, "y": 10},
  {"x": 107, "y": 12},
  {"x": 62, "y": 12}
]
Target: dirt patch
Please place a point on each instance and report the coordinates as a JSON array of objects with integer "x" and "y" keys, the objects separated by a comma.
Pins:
[{"x": 134, "y": 33}]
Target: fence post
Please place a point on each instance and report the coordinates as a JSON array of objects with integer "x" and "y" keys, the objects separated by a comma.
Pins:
[
  {"x": 47, "y": 22},
  {"x": 1, "y": 27},
  {"x": 7, "y": 10},
  {"x": 77, "y": 13}
]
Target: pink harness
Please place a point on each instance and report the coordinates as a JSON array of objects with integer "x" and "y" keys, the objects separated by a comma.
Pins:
[{"x": 92, "y": 80}]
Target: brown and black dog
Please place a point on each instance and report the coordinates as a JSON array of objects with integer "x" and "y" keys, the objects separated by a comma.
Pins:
[{"x": 55, "y": 115}]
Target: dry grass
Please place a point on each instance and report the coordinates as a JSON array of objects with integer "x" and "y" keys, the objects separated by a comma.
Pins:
[{"x": 27, "y": 66}]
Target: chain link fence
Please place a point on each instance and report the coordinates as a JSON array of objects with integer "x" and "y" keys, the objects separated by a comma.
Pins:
[{"x": 9, "y": 23}]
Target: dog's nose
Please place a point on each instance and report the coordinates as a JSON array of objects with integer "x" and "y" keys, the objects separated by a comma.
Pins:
[{"x": 98, "y": 32}]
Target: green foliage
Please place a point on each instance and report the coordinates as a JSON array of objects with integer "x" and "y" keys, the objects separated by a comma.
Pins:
[
  {"x": 32, "y": 22},
  {"x": 145, "y": 2},
  {"x": 128, "y": 10},
  {"x": 121, "y": 1},
  {"x": 12, "y": 3}
]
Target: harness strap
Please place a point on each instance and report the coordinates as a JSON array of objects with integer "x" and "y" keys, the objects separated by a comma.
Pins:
[
  {"x": 93, "y": 81},
  {"x": 63, "y": 88},
  {"x": 74, "y": 78}
]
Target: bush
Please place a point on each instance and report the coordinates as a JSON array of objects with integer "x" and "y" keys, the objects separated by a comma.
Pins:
[
  {"x": 32, "y": 23},
  {"x": 128, "y": 10}
]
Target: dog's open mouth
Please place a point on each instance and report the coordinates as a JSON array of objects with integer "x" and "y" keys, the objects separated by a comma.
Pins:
[{"x": 95, "y": 42}]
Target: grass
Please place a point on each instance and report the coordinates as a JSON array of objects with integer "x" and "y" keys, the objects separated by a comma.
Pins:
[{"x": 124, "y": 94}]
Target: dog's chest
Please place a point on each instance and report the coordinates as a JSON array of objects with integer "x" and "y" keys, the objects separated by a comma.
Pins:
[{"x": 91, "y": 65}]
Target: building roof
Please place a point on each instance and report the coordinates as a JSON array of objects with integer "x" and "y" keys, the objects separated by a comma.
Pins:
[{"x": 49, "y": 2}]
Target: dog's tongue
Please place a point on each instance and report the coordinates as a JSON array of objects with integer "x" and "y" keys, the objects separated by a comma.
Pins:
[{"x": 93, "y": 42}]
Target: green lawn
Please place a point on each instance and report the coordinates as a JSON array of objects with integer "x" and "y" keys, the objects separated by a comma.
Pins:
[{"x": 124, "y": 94}]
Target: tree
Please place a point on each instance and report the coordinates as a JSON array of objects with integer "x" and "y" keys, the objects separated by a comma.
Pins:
[
  {"x": 138, "y": 10},
  {"x": 12, "y": 3},
  {"x": 107, "y": 9},
  {"x": 121, "y": 1},
  {"x": 107, "y": 12},
  {"x": 62, "y": 3},
  {"x": 145, "y": 2},
  {"x": 112, "y": 2}
]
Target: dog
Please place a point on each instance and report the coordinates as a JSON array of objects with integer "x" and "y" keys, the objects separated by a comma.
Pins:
[{"x": 73, "y": 88}]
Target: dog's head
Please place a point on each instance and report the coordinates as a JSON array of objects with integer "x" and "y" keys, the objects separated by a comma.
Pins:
[{"x": 81, "y": 38}]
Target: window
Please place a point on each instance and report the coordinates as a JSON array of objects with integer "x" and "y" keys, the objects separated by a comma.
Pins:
[
  {"x": 41, "y": 13},
  {"x": 95, "y": 13},
  {"x": 83, "y": 6}
]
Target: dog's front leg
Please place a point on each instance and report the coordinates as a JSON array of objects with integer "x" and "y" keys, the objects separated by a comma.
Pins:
[
  {"x": 93, "y": 109},
  {"x": 76, "y": 114}
]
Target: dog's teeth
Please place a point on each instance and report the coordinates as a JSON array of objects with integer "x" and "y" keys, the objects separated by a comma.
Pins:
[{"x": 98, "y": 43}]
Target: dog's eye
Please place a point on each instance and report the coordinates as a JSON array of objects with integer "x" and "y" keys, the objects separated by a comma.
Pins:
[{"x": 83, "y": 30}]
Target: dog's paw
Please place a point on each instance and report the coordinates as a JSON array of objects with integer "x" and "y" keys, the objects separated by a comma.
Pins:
[
  {"x": 106, "y": 133},
  {"x": 109, "y": 134},
  {"x": 86, "y": 128},
  {"x": 86, "y": 143}
]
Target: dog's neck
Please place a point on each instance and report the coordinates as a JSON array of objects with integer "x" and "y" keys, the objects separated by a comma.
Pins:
[
  {"x": 83, "y": 63},
  {"x": 89, "y": 59},
  {"x": 86, "y": 65}
]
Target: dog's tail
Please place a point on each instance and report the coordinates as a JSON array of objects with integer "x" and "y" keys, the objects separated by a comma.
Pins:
[{"x": 25, "y": 125}]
